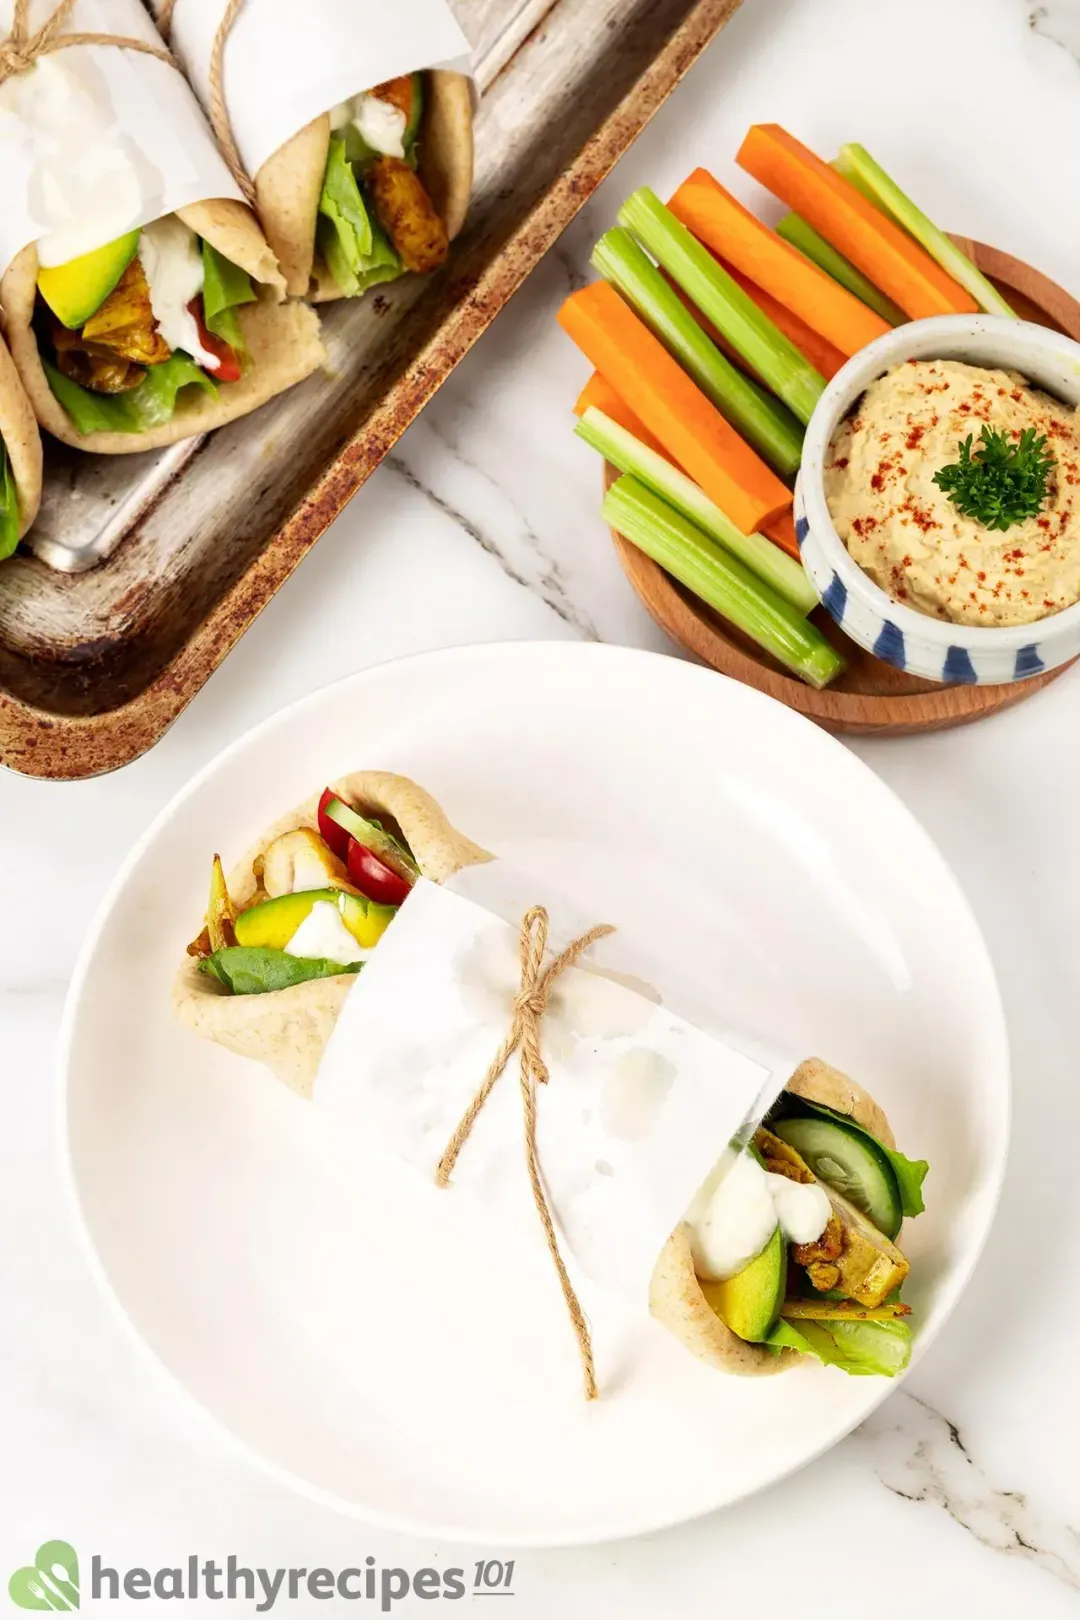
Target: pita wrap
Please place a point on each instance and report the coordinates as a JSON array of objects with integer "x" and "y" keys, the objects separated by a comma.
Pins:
[
  {"x": 676, "y": 1298},
  {"x": 282, "y": 339},
  {"x": 289, "y": 184},
  {"x": 288, "y": 1029},
  {"x": 21, "y": 439}
]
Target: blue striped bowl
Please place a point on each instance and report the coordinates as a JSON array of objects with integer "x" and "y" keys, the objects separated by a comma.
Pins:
[{"x": 932, "y": 648}]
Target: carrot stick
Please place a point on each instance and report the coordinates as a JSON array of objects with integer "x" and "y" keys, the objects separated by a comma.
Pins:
[
  {"x": 688, "y": 425},
  {"x": 874, "y": 244},
  {"x": 820, "y": 354},
  {"x": 738, "y": 239},
  {"x": 818, "y": 350},
  {"x": 782, "y": 532},
  {"x": 599, "y": 393}
]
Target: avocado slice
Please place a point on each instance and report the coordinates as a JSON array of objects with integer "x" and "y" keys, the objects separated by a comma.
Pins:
[
  {"x": 73, "y": 291},
  {"x": 366, "y": 921},
  {"x": 274, "y": 922},
  {"x": 749, "y": 1303}
]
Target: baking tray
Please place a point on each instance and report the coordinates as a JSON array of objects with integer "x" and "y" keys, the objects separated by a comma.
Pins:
[{"x": 96, "y": 663}]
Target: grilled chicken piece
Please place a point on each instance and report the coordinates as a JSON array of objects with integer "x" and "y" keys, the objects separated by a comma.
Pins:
[
  {"x": 300, "y": 860},
  {"x": 851, "y": 1254},
  {"x": 399, "y": 93},
  {"x": 407, "y": 214},
  {"x": 124, "y": 323},
  {"x": 91, "y": 365}
]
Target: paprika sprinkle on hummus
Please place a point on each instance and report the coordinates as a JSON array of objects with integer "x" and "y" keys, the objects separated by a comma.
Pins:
[{"x": 914, "y": 533}]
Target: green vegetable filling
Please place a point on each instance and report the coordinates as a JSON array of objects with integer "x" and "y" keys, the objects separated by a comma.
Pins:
[
  {"x": 255, "y": 970},
  {"x": 225, "y": 288},
  {"x": 149, "y": 405},
  {"x": 859, "y": 1348},
  {"x": 9, "y": 506},
  {"x": 357, "y": 252}
]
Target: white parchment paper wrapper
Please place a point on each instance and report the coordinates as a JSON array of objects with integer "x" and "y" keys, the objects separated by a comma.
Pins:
[
  {"x": 640, "y": 1104},
  {"x": 95, "y": 140},
  {"x": 284, "y": 65}
]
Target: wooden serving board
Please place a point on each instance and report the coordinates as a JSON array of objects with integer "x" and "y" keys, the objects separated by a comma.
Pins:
[{"x": 870, "y": 697}]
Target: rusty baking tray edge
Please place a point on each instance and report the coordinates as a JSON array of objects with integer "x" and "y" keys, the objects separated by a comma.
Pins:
[{"x": 73, "y": 747}]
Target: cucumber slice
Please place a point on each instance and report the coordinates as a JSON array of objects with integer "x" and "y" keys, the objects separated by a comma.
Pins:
[{"x": 849, "y": 1162}]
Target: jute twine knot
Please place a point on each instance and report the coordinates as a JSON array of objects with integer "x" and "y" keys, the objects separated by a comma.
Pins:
[
  {"x": 530, "y": 1004},
  {"x": 220, "y": 121},
  {"x": 21, "y": 49}
]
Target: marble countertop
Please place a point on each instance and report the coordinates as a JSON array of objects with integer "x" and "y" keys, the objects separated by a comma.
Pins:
[{"x": 962, "y": 1491}]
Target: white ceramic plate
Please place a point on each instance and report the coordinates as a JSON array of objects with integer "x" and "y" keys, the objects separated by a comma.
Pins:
[{"x": 243, "y": 1251}]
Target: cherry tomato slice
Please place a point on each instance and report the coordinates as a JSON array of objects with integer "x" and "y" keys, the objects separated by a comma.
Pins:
[
  {"x": 335, "y": 838},
  {"x": 373, "y": 878},
  {"x": 228, "y": 364}
]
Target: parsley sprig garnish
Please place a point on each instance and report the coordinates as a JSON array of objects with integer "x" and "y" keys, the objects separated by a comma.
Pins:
[{"x": 1004, "y": 481}]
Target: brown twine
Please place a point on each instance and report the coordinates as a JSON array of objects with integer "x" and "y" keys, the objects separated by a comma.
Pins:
[
  {"x": 21, "y": 49},
  {"x": 530, "y": 1004},
  {"x": 220, "y": 121}
]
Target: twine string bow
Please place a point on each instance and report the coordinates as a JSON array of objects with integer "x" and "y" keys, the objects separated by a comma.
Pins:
[
  {"x": 23, "y": 47},
  {"x": 530, "y": 1004}
]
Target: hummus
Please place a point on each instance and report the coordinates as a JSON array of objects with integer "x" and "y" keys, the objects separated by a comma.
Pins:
[{"x": 905, "y": 532}]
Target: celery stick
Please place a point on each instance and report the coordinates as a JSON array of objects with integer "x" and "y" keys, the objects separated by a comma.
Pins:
[
  {"x": 802, "y": 236},
  {"x": 762, "y": 345},
  {"x": 720, "y": 580},
  {"x": 856, "y": 165},
  {"x": 761, "y": 419},
  {"x": 761, "y": 556}
]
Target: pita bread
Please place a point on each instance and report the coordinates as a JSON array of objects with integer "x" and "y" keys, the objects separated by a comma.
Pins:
[
  {"x": 282, "y": 339},
  {"x": 22, "y": 441},
  {"x": 289, "y": 184},
  {"x": 288, "y": 1029},
  {"x": 676, "y": 1299}
]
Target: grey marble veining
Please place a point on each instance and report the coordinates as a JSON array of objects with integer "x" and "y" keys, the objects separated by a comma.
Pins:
[{"x": 919, "y": 1455}]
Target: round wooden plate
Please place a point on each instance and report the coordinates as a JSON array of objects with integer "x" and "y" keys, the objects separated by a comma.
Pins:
[{"x": 870, "y": 697}]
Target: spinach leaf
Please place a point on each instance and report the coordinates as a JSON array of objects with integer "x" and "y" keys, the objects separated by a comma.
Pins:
[{"x": 255, "y": 970}]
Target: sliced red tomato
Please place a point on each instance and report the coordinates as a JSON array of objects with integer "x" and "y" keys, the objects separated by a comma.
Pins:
[
  {"x": 373, "y": 878},
  {"x": 335, "y": 838},
  {"x": 228, "y": 361}
]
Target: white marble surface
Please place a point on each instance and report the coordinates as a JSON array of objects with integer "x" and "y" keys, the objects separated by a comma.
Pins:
[{"x": 963, "y": 1489}]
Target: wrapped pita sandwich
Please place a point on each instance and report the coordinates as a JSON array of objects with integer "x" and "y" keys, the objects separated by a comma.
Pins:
[
  {"x": 292, "y": 925},
  {"x": 20, "y": 458},
  {"x": 375, "y": 188},
  {"x": 158, "y": 335},
  {"x": 790, "y": 1249}
]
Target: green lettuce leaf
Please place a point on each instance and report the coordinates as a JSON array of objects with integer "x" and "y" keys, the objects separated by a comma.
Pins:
[
  {"x": 154, "y": 401},
  {"x": 253, "y": 970},
  {"x": 147, "y": 406},
  {"x": 225, "y": 287},
  {"x": 861, "y": 1349},
  {"x": 357, "y": 252},
  {"x": 9, "y": 506},
  {"x": 910, "y": 1173}
]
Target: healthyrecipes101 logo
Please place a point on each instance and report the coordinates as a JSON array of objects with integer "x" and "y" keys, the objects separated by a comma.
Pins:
[{"x": 52, "y": 1581}]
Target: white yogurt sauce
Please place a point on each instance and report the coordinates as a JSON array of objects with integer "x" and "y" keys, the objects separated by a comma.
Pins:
[
  {"x": 380, "y": 124},
  {"x": 171, "y": 257},
  {"x": 323, "y": 934},
  {"x": 740, "y": 1206}
]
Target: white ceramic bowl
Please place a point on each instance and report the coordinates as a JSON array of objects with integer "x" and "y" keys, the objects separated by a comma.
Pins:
[{"x": 932, "y": 648}]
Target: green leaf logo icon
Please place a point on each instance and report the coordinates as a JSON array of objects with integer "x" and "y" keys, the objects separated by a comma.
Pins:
[{"x": 51, "y": 1581}]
